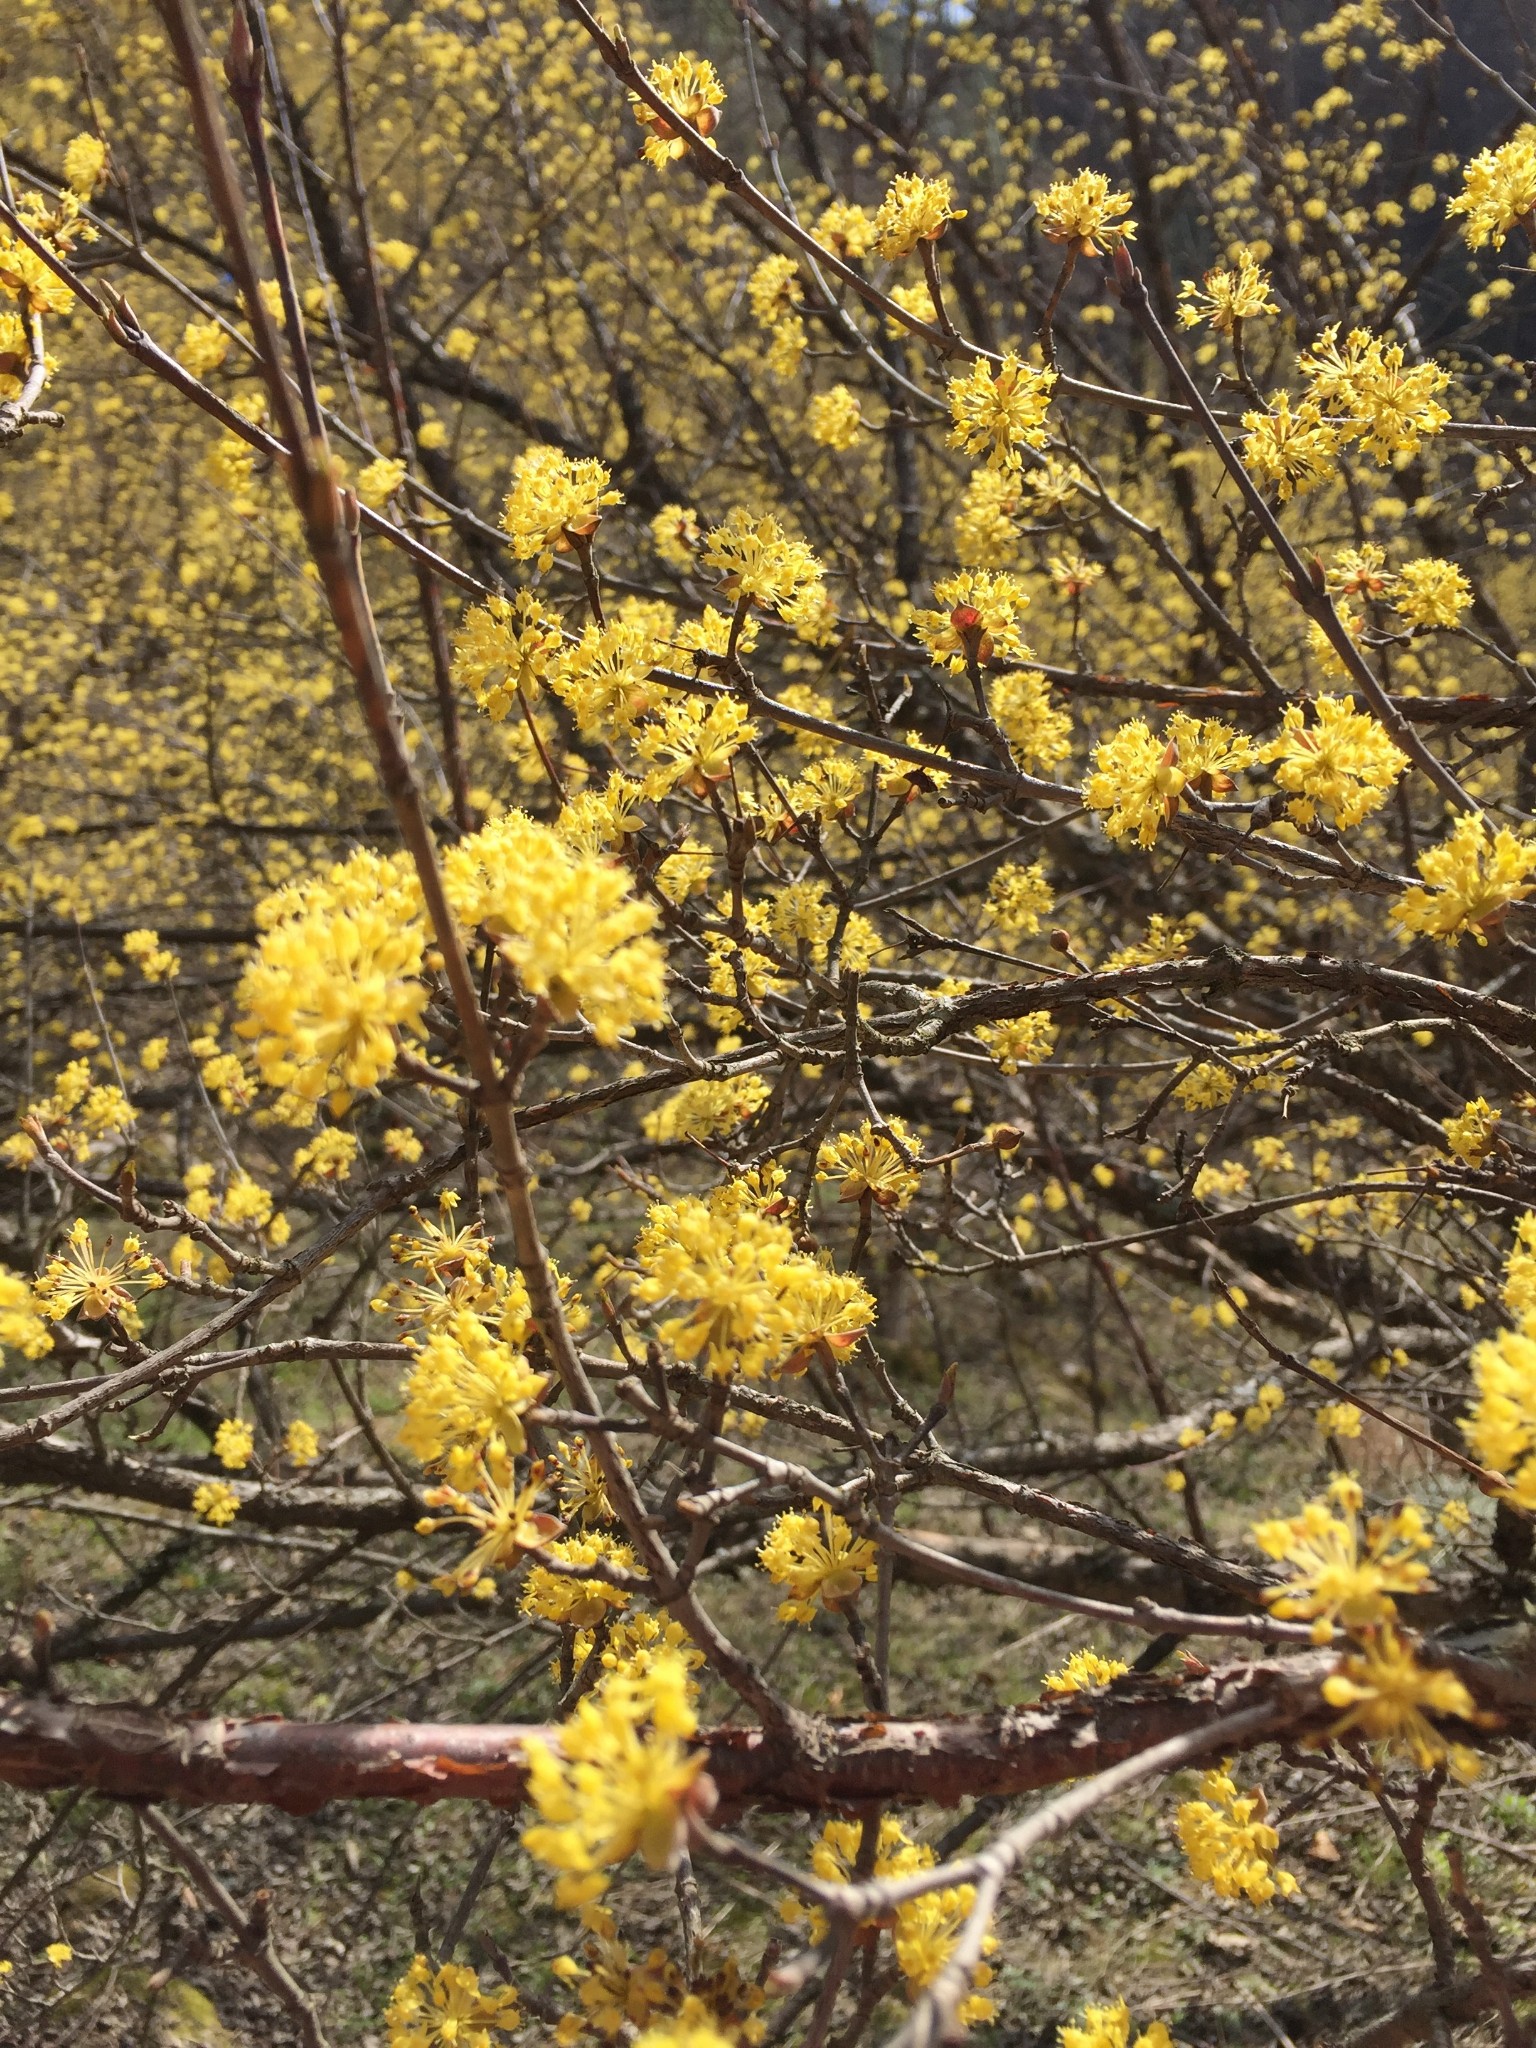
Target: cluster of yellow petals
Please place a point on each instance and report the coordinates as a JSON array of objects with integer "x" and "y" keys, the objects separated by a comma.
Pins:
[
  {"x": 867, "y": 1162},
  {"x": 1345, "y": 1574},
  {"x": 1228, "y": 1842},
  {"x": 618, "y": 1779},
  {"x": 816, "y": 1558},
  {"x": 742, "y": 1298},
  {"x": 1470, "y": 880}
]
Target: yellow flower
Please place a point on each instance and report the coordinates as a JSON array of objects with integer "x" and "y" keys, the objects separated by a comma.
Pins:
[
  {"x": 1389, "y": 1696},
  {"x": 1019, "y": 898},
  {"x": 216, "y": 1503},
  {"x": 446, "y": 2008},
  {"x": 1501, "y": 1429},
  {"x": 555, "y": 500},
  {"x": 301, "y": 1443},
  {"x": 706, "y": 1109},
  {"x": 757, "y": 560},
  {"x": 1431, "y": 592},
  {"x": 605, "y": 678},
  {"x": 154, "y": 961},
  {"x": 848, "y": 231},
  {"x": 676, "y": 532},
  {"x": 85, "y": 164},
  {"x": 833, "y": 418},
  {"x": 692, "y": 89},
  {"x": 1473, "y": 875},
  {"x": 1339, "y": 1577},
  {"x": 1498, "y": 192},
  {"x": 1291, "y": 450},
  {"x": 1361, "y": 384},
  {"x": 570, "y": 925},
  {"x": 1224, "y": 297},
  {"x": 996, "y": 413},
  {"x": 467, "y": 1387},
  {"x": 692, "y": 744},
  {"x": 503, "y": 1517},
  {"x": 1109, "y": 2026},
  {"x": 773, "y": 289},
  {"x": 233, "y": 1444},
  {"x": 816, "y": 1558},
  {"x": 1085, "y": 213},
  {"x": 621, "y": 1780},
  {"x": 913, "y": 210},
  {"x": 1074, "y": 575},
  {"x": 1473, "y": 1134},
  {"x": 333, "y": 983},
  {"x": 1084, "y": 1671},
  {"x": 1017, "y": 1042},
  {"x": 78, "y": 1277},
  {"x": 59, "y": 1953},
  {"x": 977, "y": 621},
  {"x": 1229, "y": 1844},
  {"x": 1139, "y": 780},
  {"x": 554, "y": 1590},
  {"x": 377, "y": 483},
  {"x": 1038, "y": 730},
  {"x": 865, "y": 1162},
  {"x": 1343, "y": 762}
]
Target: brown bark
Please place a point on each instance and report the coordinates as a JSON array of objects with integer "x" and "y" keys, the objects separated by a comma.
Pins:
[{"x": 129, "y": 1752}]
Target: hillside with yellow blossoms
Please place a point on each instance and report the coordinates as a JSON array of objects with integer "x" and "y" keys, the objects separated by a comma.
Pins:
[{"x": 768, "y": 1120}]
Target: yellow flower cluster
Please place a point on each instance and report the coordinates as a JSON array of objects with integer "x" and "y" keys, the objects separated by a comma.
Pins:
[
  {"x": 506, "y": 650},
  {"x": 816, "y": 1557},
  {"x": 215, "y": 1503},
  {"x": 1229, "y": 1844},
  {"x": 977, "y": 620},
  {"x": 1498, "y": 192},
  {"x": 1474, "y": 1133},
  {"x": 747, "y": 1301},
  {"x": 76, "y": 1111},
  {"x": 1502, "y": 1427},
  {"x": 1017, "y": 1042},
  {"x": 1225, "y": 297},
  {"x": 555, "y": 501},
  {"x": 1473, "y": 876},
  {"x": 1389, "y": 1696},
  {"x": 1342, "y": 762},
  {"x": 924, "y": 1930},
  {"x": 620, "y": 1781},
  {"x": 21, "y": 1327},
  {"x": 334, "y": 981},
  {"x": 1085, "y": 213},
  {"x": 80, "y": 1277},
  {"x": 758, "y": 561},
  {"x": 833, "y": 418},
  {"x": 446, "y": 2008},
  {"x": 1019, "y": 898},
  {"x": 1038, "y": 730},
  {"x": 1366, "y": 393},
  {"x": 1431, "y": 592},
  {"x": 692, "y": 743},
  {"x": 1344, "y": 1574},
  {"x": 691, "y": 88},
  {"x": 555, "y": 1591},
  {"x": 706, "y": 1109},
  {"x": 503, "y": 1517},
  {"x": 913, "y": 210},
  {"x": 1138, "y": 779},
  {"x": 997, "y": 413},
  {"x": 1084, "y": 1671},
  {"x": 866, "y": 1162},
  {"x": 1109, "y": 2026},
  {"x": 571, "y": 925}
]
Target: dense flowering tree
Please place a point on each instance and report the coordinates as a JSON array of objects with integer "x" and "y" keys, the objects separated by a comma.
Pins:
[{"x": 769, "y": 827}]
